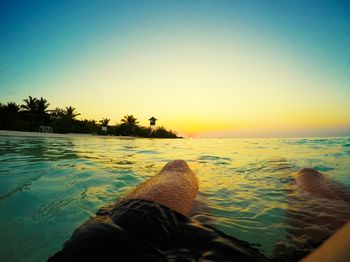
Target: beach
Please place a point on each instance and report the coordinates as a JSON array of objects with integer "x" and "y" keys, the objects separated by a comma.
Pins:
[{"x": 57, "y": 135}]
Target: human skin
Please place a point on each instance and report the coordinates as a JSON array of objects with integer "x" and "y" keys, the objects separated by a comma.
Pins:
[
  {"x": 319, "y": 185},
  {"x": 335, "y": 248},
  {"x": 175, "y": 187}
]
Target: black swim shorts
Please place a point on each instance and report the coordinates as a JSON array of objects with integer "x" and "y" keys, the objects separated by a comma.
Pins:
[{"x": 141, "y": 230}]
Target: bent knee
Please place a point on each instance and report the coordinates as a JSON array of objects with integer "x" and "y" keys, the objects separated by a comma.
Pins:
[
  {"x": 316, "y": 183},
  {"x": 310, "y": 172},
  {"x": 309, "y": 178},
  {"x": 177, "y": 165}
]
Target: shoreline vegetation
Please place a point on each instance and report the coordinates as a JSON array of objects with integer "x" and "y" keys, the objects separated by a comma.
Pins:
[{"x": 34, "y": 116}]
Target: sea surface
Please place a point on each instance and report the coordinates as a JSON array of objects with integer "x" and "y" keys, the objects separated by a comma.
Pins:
[{"x": 51, "y": 185}]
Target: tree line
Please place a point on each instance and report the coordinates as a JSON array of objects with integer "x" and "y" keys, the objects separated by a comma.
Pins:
[{"x": 35, "y": 112}]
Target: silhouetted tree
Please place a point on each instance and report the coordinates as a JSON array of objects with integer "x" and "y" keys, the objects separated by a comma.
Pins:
[
  {"x": 29, "y": 108},
  {"x": 8, "y": 115},
  {"x": 41, "y": 110},
  {"x": 85, "y": 126},
  {"x": 161, "y": 132},
  {"x": 57, "y": 113},
  {"x": 30, "y": 105},
  {"x": 104, "y": 121},
  {"x": 34, "y": 112},
  {"x": 129, "y": 120},
  {"x": 42, "y": 105},
  {"x": 70, "y": 114},
  {"x": 128, "y": 126}
]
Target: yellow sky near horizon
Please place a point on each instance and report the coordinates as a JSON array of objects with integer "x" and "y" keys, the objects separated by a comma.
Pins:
[
  {"x": 194, "y": 91},
  {"x": 197, "y": 83}
]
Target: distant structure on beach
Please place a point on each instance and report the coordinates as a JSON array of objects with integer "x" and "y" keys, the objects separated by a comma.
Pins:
[
  {"x": 152, "y": 121},
  {"x": 45, "y": 129},
  {"x": 104, "y": 125}
]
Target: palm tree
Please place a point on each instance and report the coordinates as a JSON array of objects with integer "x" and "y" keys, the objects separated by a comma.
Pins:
[
  {"x": 104, "y": 121},
  {"x": 8, "y": 115},
  {"x": 12, "y": 108},
  {"x": 129, "y": 120},
  {"x": 57, "y": 113},
  {"x": 30, "y": 105},
  {"x": 70, "y": 114},
  {"x": 41, "y": 106}
]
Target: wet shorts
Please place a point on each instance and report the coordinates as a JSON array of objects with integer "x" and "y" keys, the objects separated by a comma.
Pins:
[{"x": 141, "y": 230}]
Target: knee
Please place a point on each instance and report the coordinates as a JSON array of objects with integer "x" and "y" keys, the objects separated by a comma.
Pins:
[
  {"x": 177, "y": 165},
  {"x": 309, "y": 172},
  {"x": 308, "y": 177}
]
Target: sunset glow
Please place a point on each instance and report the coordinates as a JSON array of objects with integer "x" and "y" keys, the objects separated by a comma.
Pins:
[{"x": 204, "y": 69}]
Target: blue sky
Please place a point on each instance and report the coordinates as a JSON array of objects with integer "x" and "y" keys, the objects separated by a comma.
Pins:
[{"x": 109, "y": 58}]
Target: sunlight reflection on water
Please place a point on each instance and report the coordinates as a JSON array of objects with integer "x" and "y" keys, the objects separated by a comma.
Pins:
[{"x": 49, "y": 186}]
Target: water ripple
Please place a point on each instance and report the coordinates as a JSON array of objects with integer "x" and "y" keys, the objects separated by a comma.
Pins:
[{"x": 49, "y": 186}]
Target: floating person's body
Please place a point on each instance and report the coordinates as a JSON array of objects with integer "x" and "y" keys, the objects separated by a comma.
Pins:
[
  {"x": 317, "y": 208},
  {"x": 151, "y": 224}
]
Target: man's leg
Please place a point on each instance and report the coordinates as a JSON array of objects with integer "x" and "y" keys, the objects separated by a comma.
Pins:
[
  {"x": 175, "y": 187},
  {"x": 122, "y": 232},
  {"x": 319, "y": 185},
  {"x": 318, "y": 207},
  {"x": 335, "y": 248}
]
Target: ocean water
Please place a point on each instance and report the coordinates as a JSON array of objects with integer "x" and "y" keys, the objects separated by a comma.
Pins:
[{"x": 51, "y": 185}]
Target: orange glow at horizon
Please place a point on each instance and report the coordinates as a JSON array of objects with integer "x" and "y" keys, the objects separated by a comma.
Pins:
[{"x": 204, "y": 84}]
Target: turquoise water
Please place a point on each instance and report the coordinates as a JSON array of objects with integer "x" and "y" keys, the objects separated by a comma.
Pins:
[{"x": 50, "y": 185}]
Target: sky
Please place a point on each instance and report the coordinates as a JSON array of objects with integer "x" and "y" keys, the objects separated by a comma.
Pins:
[{"x": 202, "y": 68}]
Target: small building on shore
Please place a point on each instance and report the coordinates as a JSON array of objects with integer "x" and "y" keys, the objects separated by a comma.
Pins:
[{"x": 152, "y": 121}]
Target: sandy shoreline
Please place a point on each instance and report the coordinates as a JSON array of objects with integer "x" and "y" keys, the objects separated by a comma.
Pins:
[{"x": 39, "y": 134}]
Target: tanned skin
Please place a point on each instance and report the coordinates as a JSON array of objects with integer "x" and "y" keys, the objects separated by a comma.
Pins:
[
  {"x": 175, "y": 186},
  {"x": 337, "y": 247}
]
